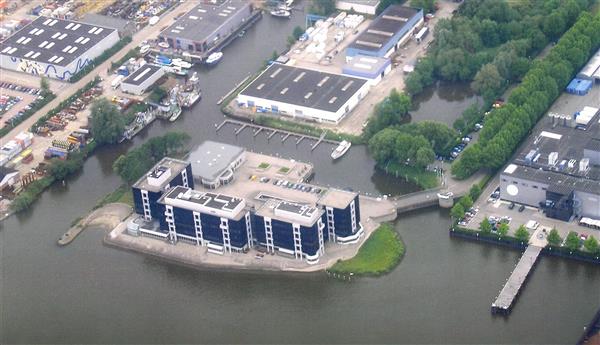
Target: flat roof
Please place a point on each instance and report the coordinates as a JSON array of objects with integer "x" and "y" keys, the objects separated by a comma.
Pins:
[
  {"x": 304, "y": 87},
  {"x": 291, "y": 212},
  {"x": 362, "y": 65},
  {"x": 142, "y": 74},
  {"x": 204, "y": 19},
  {"x": 381, "y": 30},
  {"x": 555, "y": 178},
  {"x": 337, "y": 198},
  {"x": 592, "y": 66},
  {"x": 53, "y": 41},
  {"x": 217, "y": 204},
  {"x": 211, "y": 159},
  {"x": 363, "y": 2},
  {"x": 147, "y": 182}
]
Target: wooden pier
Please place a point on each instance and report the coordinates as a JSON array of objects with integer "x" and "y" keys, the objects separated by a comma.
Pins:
[
  {"x": 257, "y": 129},
  {"x": 512, "y": 288}
]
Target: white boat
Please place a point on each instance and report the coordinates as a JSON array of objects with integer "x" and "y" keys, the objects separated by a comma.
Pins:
[
  {"x": 176, "y": 70},
  {"x": 145, "y": 49},
  {"x": 341, "y": 149},
  {"x": 214, "y": 58},
  {"x": 181, "y": 63},
  {"x": 176, "y": 112},
  {"x": 281, "y": 13},
  {"x": 153, "y": 20}
]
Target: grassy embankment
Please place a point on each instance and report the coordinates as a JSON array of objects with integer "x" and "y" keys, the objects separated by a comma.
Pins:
[
  {"x": 122, "y": 194},
  {"x": 382, "y": 251}
]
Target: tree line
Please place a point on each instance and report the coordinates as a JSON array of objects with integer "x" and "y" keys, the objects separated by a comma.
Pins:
[{"x": 543, "y": 83}]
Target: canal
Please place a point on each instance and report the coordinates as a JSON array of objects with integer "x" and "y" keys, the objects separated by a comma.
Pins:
[{"x": 440, "y": 293}]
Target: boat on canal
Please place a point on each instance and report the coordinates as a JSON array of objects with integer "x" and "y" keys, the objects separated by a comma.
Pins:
[
  {"x": 342, "y": 148},
  {"x": 214, "y": 58}
]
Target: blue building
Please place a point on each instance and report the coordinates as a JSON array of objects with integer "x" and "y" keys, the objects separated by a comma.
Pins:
[
  {"x": 342, "y": 216},
  {"x": 290, "y": 228},
  {"x": 220, "y": 222},
  {"x": 386, "y": 33},
  {"x": 149, "y": 188}
]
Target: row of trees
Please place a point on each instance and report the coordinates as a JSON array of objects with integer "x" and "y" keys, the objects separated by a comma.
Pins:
[
  {"x": 507, "y": 126},
  {"x": 490, "y": 42},
  {"x": 138, "y": 161},
  {"x": 572, "y": 241},
  {"x": 393, "y": 145}
]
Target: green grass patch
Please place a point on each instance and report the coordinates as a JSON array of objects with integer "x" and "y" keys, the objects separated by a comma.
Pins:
[
  {"x": 378, "y": 255},
  {"x": 263, "y": 165},
  {"x": 283, "y": 170},
  {"x": 423, "y": 178},
  {"x": 122, "y": 194}
]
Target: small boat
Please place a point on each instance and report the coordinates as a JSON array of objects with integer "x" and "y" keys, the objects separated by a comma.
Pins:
[
  {"x": 214, "y": 58},
  {"x": 182, "y": 63},
  {"x": 163, "y": 60},
  {"x": 341, "y": 149},
  {"x": 281, "y": 13},
  {"x": 176, "y": 112},
  {"x": 145, "y": 49},
  {"x": 177, "y": 70}
]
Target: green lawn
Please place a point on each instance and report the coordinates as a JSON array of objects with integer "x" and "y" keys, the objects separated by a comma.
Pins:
[{"x": 378, "y": 255}]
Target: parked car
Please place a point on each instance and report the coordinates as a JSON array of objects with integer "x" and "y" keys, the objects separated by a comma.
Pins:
[
  {"x": 521, "y": 208},
  {"x": 511, "y": 206}
]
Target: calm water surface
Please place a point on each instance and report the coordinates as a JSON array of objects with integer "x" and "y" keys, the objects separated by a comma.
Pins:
[{"x": 441, "y": 292}]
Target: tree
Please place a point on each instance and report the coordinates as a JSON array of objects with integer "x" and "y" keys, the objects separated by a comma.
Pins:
[
  {"x": 298, "y": 31},
  {"x": 424, "y": 157},
  {"x": 503, "y": 229},
  {"x": 428, "y": 6},
  {"x": 60, "y": 169},
  {"x": 389, "y": 112},
  {"x": 591, "y": 244},
  {"x": 108, "y": 124},
  {"x": 457, "y": 211},
  {"x": 485, "y": 226},
  {"x": 45, "y": 86},
  {"x": 467, "y": 202},
  {"x": 554, "y": 238},
  {"x": 475, "y": 192},
  {"x": 488, "y": 82},
  {"x": 572, "y": 241},
  {"x": 522, "y": 234}
]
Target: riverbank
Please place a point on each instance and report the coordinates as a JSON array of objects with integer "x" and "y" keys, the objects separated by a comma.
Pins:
[
  {"x": 380, "y": 254},
  {"x": 108, "y": 216}
]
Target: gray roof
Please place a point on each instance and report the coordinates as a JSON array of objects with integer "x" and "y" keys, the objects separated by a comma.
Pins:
[
  {"x": 66, "y": 40},
  {"x": 211, "y": 159},
  {"x": 142, "y": 74},
  {"x": 382, "y": 28},
  {"x": 204, "y": 19},
  {"x": 304, "y": 87},
  {"x": 337, "y": 198},
  {"x": 106, "y": 21},
  {"x": 593, "y": 145},
  {"x": 549, "y": 178},
  {"x": 364, "y": 2},
  {"x": 176, "y": 166}
]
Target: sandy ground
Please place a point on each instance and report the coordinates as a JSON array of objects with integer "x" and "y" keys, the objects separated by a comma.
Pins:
[{"x": 374, "y": 211}]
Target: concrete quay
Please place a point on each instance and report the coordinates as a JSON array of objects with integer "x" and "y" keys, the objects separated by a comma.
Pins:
[{"x": 108, "y": 216}]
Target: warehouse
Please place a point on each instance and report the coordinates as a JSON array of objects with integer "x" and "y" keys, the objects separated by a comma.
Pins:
[
  {"x": 303, "y": 93},
  {"x": 214, "y": 163},
  {"x": 245, "y": 213},
  {"x": 142, "y": 79},
  {"x": 591, "y": 71},
  {"x": 207, "y": 25},
  {"x": 368, "y": 67},
  {"x": 359, "y": 6},
  {"x": 55, "y": 48},
  {"x": 387, "y": 32}
]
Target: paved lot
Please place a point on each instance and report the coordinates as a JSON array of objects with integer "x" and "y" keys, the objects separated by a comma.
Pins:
[{"x": 26, "y": 100}]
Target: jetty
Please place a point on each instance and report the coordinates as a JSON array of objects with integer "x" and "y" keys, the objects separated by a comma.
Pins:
[
  {"x": 517, "y": 279},
  {"x": 257, "y": 129}
]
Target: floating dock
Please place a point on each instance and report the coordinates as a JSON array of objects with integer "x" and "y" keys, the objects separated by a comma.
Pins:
[{"x": 512, "y": 288}]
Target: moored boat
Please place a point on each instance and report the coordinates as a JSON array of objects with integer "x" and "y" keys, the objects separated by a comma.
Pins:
[
  {"x": 281, "y": 13},
  {"x": 342, "y": 148},
  {"x": 214, "y": 58}
]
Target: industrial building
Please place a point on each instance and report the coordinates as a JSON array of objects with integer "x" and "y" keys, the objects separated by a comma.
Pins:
[
  {"x": 359, "y": 6},
  {"x": 559, "y": 170},
  {"x": 303, "y": 93},
  {"x": 213, "y": 163},
  {"x": 368, "y": 67},
  {"x": 244, "y": 213},
  {"x": 142, "y": 79},
  {"x": 386, "y": 33},
  {"x": 55, "y": 48},
  {"x": 207, "y": 25},
  {"x": 591, "y": 71}
]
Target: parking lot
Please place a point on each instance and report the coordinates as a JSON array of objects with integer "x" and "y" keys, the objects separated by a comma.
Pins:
[
  {"x": 489, "y": 206},
  {"x": 18, "y": 98}
]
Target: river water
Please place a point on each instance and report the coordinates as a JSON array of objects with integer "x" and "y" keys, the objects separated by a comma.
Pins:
[{"x": 440, "y": 293}]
